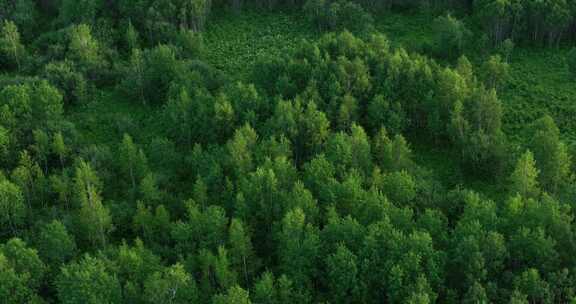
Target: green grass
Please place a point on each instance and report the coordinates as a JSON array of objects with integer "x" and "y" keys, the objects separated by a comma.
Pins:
[
  {"x": 234, "y": 43},
  {"x": 540, "y": 84},
  {"x": 109, "y": 115},
  {"x": 410, "y": 32}
]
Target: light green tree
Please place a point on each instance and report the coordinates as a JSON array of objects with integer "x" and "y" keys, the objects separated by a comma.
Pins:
[
  {"x": 11, "y": 47},
  {"x": 524, "y": 179}
]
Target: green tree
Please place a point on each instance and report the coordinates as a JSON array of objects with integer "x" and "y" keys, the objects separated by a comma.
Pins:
[
  {"x": 241, "y": 248},
  {"x": 385, "y": 114},
  {"x": 203, "y": 229},
  {"x": 315, "y": 128},
  {"x": 465, "y": 69},
  {"x": 30, "y": 178},
  {"x": 496, "y": 72},
  {"x": 68, "y": 79},
  {"x": 496, "y": 16},
  {"x": 299, "y": 247},
  {"x": 506, "y": 49},
  {"x": 550, "y": 153},
  {"x": 23, "y": 13},
  {"x": 41, "y": 147},
  {"x": 190, "y": 43},
  {"x": 571, "y": 62},
  {"x": 452, "y": 35},
  {"x": 48, "y": 106},
  {"x": 5, "y": 143},
  {"x": 12, "y": 206},
  {"x": 25, "y": 261},
  {"x": 59, "y": 147},
  {"x": 11, "y": 49},
  {"x": 533, "y": 286},
  {"x": 400, "y": 187},
  {"x": 476, "y": 294},
  {"x": 93, "y": 217},
  {"x": 347, "y": 112},
  {"x": 264, "y": 289},
  {"x": 518, "y": 298},
  {"x": 13, "y": 285},
  {"x": 55, "y": 244},
  {"x": 132, "y": 161},
  {"x": 234, "y": 295},
  {"x": 342, "y": 271},
  {"x": 171, "y": 285},
  {"x": 131, "y": 37},
  {"x": 136, "y": 81},
  {"x": 225, "y": 276},
  {"x": 83, "y": 48},
  {"x": 76, "y": 12},
  {"x": 241, "y": 148},
  {"x": 152, "y": 225},
  {"x": 198, "y": 12},
  {"x": 88, "y": 281},
  {"x": 225, "y": 117},
  {"x": 392, "y": 154},
  {"x": 524, "y": 179}
]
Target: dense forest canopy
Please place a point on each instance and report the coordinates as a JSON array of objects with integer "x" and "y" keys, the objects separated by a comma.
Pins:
[{"x": 297, "y": 182}]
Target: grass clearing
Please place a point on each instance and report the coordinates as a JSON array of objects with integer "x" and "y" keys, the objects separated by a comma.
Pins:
[
  {"x": 539, "y": 84},
  {"x": 235, "y": 42}
]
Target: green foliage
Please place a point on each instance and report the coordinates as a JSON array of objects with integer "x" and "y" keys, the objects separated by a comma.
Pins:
[
  {"x": 343, "y": 274},
  {"x": 66, "y": 77},
  {"x": 12, "y": 206},
  {"x": 204, "y": 229},
  {"x": 24, "y": 261},
  {"x": 540, "y": 21},
  {"x": 571, "y": 62},
  {"x": 234, "y": 295},
  {"x": 496, "y": 72},
  {"x": 342, "y": 168},
  {"x": 131, "y": 37},
  {"x": 524, "y": 179},
  {"x": 83, "y": 48},
  {"x": 22, "y": 12},
  {"x": 132, "y": 161},
  {"x": 338, "y": 15},
  {"x": 167, "y": 16},
  {"x": 93, "y": 217},
  {"x": 551, "y": 154},
  {"x": 298, "y": 248},
  {"x": 172, "y": 285},
  {"x": 400, "y": 187},
  {"x": 506, "y": 49},
  {"x": 77, "y": 12},
  {"x": 452, "y": 36},
  {"x": 153, "y": 73},
  {"x": 190, "y": 42},
  {"x": 21, "y": 271},
  {"x": 88, "y": 281},
  {"x": 55, "y": 244},
  {"x": 12, "y": 51}
]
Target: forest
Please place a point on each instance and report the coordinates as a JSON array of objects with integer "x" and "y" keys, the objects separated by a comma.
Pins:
[{"x": 287, "y": 151}]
